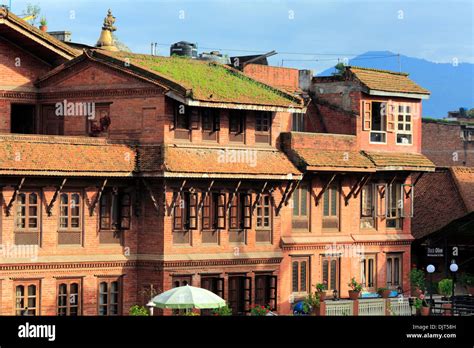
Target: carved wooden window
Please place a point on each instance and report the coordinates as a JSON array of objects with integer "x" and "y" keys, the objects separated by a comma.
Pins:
[
  {"x": 115, "y": 210},
  {"x": 240, "y": 216},
  {"x": 367, "y": 206},
  {"x": 301, "y": 206},
  {"x": 263, "y": 122},
  {"x": 27, "y": 298},
  {"x": 264, "y": 219},
  {"x": 110, "y": 294},
  {"x": 331, "y": 207},
  {"x": 368, "y": 272},
  {"x": 27, "y": 212},
  {"x": 394, "y": 270},
  {"x": 300, "y": 272},
  {"x": 69, "y": 297}
]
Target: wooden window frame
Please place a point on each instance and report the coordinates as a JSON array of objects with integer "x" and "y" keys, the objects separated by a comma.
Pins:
[
  {"x": 185, "y": 211},
  {"x": 68, "y": 283},
  {"x": 237, "y": 130},
  {"x": 329, "y": 284},
  {"x": 263, "y": 127},
  {"x": 405, "y": 112},
  {"x": 297, "y": 216},
  {"x": 329, "y": 217},
  {"x": 69, "y": 206},
  {"x": 213, "y": 211},
  {"x": 266, "y": 290},
  {"x": 395, "y": 207},
  {"x": 390, "y": 274},
  {"x": 298, "y": 122},
  {"x": 383, "y": 121},
  {"x": 368, "y": 199},
  {"x": 241, "y": 212},
  {"x": 18, "y": 311},
  {"x": 27, "y": 216},
  {"x": 298, "y": 285},
  {"x": 112, "y": 209},
  {"x": 214, "y": 120},
  {"x": 366, "y": 274},
  {"x": 108, "y": 304}
]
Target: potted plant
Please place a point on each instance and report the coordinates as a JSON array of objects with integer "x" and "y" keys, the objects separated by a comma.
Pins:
[
  {"x": 43, "y": 24},
  {"x": 321, "y": 290},
  {"x": 445, "y": 288},
  {"x": 422, "y": 307},
  {"x": 312, "y": 303},
  {"x": 137, "y": 310},
  {"x": 224, "y": 311},
  {"x": 356, "y": 288},
  {"x": 259, "y": 311},
  {"x": 384, "y": 292},
  {"x": 417, "y": 281}
]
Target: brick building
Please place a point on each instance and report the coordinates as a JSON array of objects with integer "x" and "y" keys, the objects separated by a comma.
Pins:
[{"x": 125, "y": 174}]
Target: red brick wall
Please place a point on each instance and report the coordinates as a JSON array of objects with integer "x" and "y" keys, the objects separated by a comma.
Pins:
[
  {"x": 286, "y": 78},
  {"x": 443, "y": 145}
]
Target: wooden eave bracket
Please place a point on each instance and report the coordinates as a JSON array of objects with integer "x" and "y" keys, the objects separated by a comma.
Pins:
[
  {"x": 326, "y": 186},
  {"x": 173, "y": 202},
  {"x": 407, "y": 194},
  {"x": 355, "y": 190},
  {"x": 259, "y": 195},
  {"x": 15, "y": 193},
  {"x": 49, "y": 209},
  {"x": 156, "y": 204},
  {"x": 290, "y": 188},
  {"x": 231, "y": 198},
  {"x": 206, "y": 193},
  {"x": 97, "y": 198}
]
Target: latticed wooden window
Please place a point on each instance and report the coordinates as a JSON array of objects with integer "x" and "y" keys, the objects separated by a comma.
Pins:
[
  {"x": 404, "y": 125},
  {"x": 69, "y": 298},
  {"x": 264, "y": 219},
  {"x": 109, "y": 297},
  {"x": 27, "y": 212},
  {"x": 26, "y": 299},
  {"x": 69, "y": 211}
]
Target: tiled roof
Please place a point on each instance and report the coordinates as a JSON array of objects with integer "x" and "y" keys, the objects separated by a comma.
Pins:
[
  {"x": 400, "y": 161},
  {"x": 202, "y": 80},
  {"x": 71, "y": 156},
  {"x": 464, "y": 179},
  {"x": 50, "y": 40},
  {"x": 385, "y": 80},
  {"x": 216, "y": 162},
  {"x": 437, "y": 202},
  {"x": 333, "y": 160}
]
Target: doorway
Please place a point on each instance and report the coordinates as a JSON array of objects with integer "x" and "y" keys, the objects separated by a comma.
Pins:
[
  {"x": 240, "y": 294},
  {"x": 23, "y": 119}
]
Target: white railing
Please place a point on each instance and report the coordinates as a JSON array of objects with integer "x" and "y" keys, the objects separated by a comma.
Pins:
[
  {"x": 399, "y": 306},
  {"x": 339, "y": 308},
  {"x": 372, "y": 307}
]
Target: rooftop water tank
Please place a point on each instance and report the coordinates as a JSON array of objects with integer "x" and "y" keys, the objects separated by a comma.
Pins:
[
  {"x": 184, "y": 49},
  {"x": 215, "y": 56}
]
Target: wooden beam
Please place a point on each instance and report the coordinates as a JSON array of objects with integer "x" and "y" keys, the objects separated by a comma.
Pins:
[
  {"x": 326, "y": 186},
  {"x": 55, "y": 197},
  {"x": 152, "y": 195},
  {"x": 295, "y": 186},
  {"x": 356, "y": 186},
  {"x": 15, "y": 193},
  {"x": 231, "y": 198},
  {"x": 97, "y": 198},
  {"x": 173, "y": 203},
  {"x": 260, "y": 193},
  {"x": 365, "y": 181},
  {"x": 418, "y": 178},
  {"x": 204, "y": 196},
  {"x": 283, "y": 198}
]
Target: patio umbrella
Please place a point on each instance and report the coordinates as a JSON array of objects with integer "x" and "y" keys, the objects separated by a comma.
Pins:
[{"x": 186, "y": 297}]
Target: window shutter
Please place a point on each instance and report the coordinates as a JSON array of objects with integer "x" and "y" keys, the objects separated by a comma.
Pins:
[
  {"x": 115, "y": 210},
  {"x": 381, "y": 199},
  {"x": 241, "y": 122},
  {"x": 206, "y": 212},
  {"x": 247, "y": 293},
  {"x": 192, "y": 211},
  {"x": 178, "y": 212},
  {"x": 194, "y": 119},
  {"x": 366, "y": 115},
  {"x": 247, "y": 211},
  {"x": 220, "y": 287},
  {"x": 125, "y": 211},
  {"x": 273, "y": 292},
  {"x": 217, "y": 121},
  {"x": 221, "y": 209},
  {"x": 233, "y": 214},
  {"x": 407, "y": 200},
  {"x": 391, "y": 120}
]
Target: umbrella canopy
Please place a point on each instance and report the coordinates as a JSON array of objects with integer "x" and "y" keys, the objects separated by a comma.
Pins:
[{"x": 187, "y": 296}]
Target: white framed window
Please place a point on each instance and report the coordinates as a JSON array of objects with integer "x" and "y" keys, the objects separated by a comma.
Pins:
[{"x": 404, "y": 125}]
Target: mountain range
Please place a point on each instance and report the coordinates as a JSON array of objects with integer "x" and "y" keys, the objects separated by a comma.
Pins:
[{"x": 451, "y": 84}]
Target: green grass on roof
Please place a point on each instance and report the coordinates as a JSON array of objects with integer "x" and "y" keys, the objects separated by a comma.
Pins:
[{"x": 210, "y": 81}]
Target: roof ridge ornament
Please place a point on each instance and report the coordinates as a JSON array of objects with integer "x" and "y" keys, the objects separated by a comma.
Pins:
[{"x": 106, "y": 40}]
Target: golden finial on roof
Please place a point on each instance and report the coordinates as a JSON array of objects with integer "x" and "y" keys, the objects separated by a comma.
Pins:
[{"x": 106, "y": 40}]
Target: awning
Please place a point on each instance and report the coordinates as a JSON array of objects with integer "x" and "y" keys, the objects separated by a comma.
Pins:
[
  {"x": 390, "y": 161},
  {"x": 317, "y": 160}
]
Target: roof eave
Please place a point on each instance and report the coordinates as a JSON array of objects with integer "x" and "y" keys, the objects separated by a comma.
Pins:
[
  {"x": 198, "y": 103},
  {"x": 398, "y": 94},
  {"x": 178, "y": 175}
]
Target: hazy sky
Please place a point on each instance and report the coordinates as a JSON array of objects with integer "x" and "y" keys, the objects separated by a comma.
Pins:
[{"x": 438, "y": 31}]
